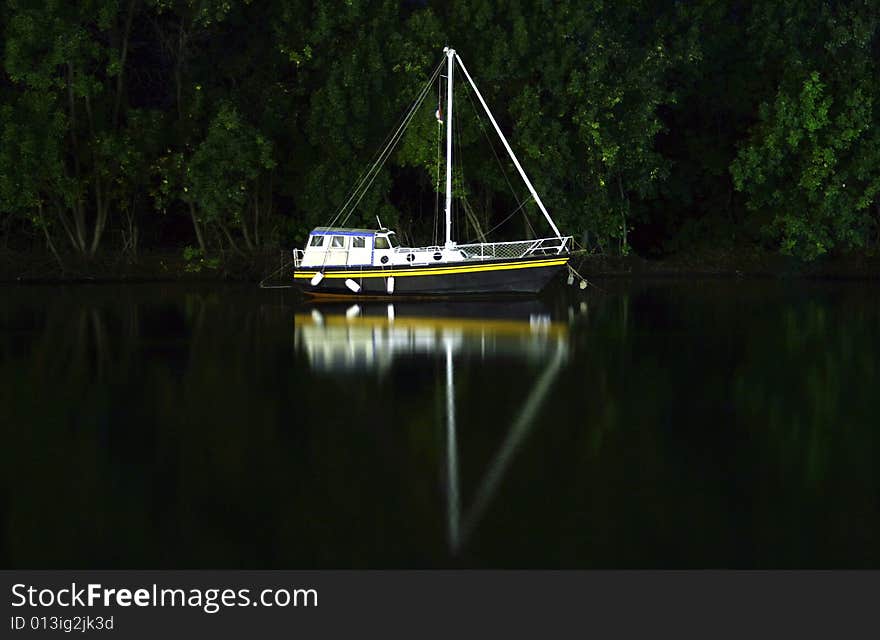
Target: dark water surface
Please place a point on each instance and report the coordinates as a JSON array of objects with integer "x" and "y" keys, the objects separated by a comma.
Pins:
[{"x": 664, "y": 424}]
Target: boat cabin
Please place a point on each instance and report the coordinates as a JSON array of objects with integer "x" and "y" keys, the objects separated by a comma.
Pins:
[
  {"x": 338, "y": 247},
  {"x": 329, "y": 246}
]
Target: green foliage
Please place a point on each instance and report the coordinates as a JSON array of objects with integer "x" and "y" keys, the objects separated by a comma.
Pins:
[
  {"x": 577, "y": 89},
  {"x": 226, "y": 165},
  {"x": 811, "y": 164},
  {"x": 31, "y": 171},
  {"x": 640, "y": 124},
  {"x": 197, "y": 261},
  {"x": 71, "y": 56}
]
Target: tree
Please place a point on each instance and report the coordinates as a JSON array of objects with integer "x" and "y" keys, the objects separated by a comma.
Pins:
[
  {"x": 356, "y": 66},
  {"x": 75, "y": 54},
  {"x": 577, "y": 88},
  {"x": 811, "y": 164},
  {"x": 31, "y": 162},
  {"x": 183, "y": 29},
  {"x": 227, "y": 171}
]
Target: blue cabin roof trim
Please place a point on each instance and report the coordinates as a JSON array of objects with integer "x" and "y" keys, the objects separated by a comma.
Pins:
[{"x": 329, "y": 231}]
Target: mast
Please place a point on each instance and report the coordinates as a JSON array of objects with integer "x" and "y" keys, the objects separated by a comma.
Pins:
[
  {"x": 450, "y": 56},
  {"x": 516, "y": 163}
]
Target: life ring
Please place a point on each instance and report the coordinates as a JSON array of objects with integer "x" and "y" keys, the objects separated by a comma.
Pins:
[
  {"x": 384, "y": 259},
  {"x": 438, "y": 255},
  {"x": 410, "y": 257}
]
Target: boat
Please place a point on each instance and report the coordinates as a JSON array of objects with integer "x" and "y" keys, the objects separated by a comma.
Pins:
[{"x": 342, "y": 262}]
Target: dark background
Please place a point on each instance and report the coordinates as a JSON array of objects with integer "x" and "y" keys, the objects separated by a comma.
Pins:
[{"x": 227, "y": 128}]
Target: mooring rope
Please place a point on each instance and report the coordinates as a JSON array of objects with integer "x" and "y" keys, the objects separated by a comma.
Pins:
[
  {"x": 263, "y": 284},
  {"x": 572, "y": 273}
]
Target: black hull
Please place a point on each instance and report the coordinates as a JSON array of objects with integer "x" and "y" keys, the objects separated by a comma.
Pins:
[{"x": 525, "y": 276}]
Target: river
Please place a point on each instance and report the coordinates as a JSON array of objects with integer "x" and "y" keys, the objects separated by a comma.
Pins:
[{"x": 649, "y": 424}]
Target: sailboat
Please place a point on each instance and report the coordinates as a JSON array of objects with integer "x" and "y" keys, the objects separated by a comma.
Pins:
[{"x": 338, "y": 261}]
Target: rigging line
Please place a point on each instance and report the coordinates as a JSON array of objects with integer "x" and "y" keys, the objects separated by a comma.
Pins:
[
  {"x": 386, "y": 153},
  {"x": 513, "y": 158},
  {"x": 390, "y": 148},
  {"x": 388, "y": 141},
  {"x": 469, "y": 212},
  {"x": 436, "y": 229},
  {"x": 465, "y": 210},
  {"x": 456, "y": 141},
  {"x": 515, "y": 211},
  {"x": 364, "y": 175},
  {"x": 375, "y": 174},
  {"x": 491, "y": 146},
  {"x": 501, "y": 165},
  {"x": 528, "y": 222}
]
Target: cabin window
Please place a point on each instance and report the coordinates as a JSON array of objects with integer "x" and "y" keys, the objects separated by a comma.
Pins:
[
  {"x": 358, "y": 242},
  {"x": 317, "y": 241},
  {"x": 381, "y": 243},
  {"x": 392, "y": 239},
  {"x": 337, "y": 242}
]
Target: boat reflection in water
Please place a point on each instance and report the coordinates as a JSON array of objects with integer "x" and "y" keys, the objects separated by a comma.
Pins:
[{"x": 369, "y": 337}]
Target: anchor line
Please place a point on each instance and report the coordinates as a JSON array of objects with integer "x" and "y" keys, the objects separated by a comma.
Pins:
[
  {"x": 263, "y": 284},
  {"x": 575, "y": 274}
]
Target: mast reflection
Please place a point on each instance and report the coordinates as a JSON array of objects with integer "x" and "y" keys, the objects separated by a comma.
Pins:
[{"x": 369, "y": 337}]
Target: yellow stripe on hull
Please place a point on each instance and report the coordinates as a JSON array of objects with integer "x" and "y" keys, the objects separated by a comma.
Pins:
[{"x": 435, "y": 271}]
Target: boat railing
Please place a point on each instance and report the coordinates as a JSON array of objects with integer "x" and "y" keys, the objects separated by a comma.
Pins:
[
  {"x": 430, "y": 249},
  {"x": 489, "y": 250},
  {"x": 516, "y": 249}
]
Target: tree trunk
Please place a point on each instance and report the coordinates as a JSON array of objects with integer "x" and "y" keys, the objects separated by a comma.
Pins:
[
  {"x": 246, "y": 234},
  {"x": 100, "y": 217},
  {"x": 79, "y": 220},
  {"x": 877, "y": 223},
  {"x": 198, "y": 227},
  {"x": 65, "y": 223},
  {"x": 130, "y": 230},
  {"x": 624, "y": 206},
  {"x": 229, "y": 237},
  {"x": 471, "y": 217},
  {"x": 257, "y": 218},
  {"x": 78, "y": 239},
  {"x": 49, "y": 242},
  {"x": 178, "y": 92}
]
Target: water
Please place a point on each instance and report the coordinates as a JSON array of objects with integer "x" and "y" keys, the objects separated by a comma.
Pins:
[{"x": 658, "y": 424}]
